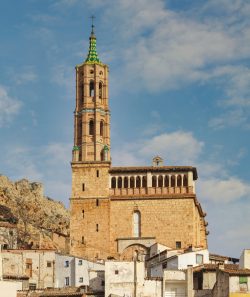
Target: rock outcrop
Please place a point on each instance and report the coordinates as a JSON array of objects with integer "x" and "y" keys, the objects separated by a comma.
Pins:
[{"x": 42, "y": 221}]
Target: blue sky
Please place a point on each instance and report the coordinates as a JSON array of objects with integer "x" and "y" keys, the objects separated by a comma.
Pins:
[{"x": 179, "y": 87}]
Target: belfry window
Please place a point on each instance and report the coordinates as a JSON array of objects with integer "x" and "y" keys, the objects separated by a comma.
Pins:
[
  {"x": 137, "y": 224},
  {"x": 125, "y": 182},
  {"x": 91, "y": 88},
  {"x": 113, "y": 182},
  {"x": 91, "y": 127},
  {"x": 101, "y": 128},
  {"x": 100, "y": 90},
  {"x": 160, "y": 181},
  {"x": 154, "y": 181},
  {"x": 138, "y": 182},
  {"x": 119, "y": 182},
  {"x": 185, "y": 181},
  {"x": 178, "y": 181},
  {"x": 172, "y": 181}
]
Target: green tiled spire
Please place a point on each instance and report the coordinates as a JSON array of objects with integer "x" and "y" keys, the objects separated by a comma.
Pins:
[{"x": 92, "y": 57}]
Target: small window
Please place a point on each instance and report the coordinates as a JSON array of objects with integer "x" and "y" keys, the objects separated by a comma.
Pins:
[
  {"x": 97, "y": 228},
  {"x": 32, "y": 286},
  {"x": 80, "y": 262},
  {"x": 66, "y": 264},
  {"x": 28, "y": 266},
  {"x": 243, "y": 283},
  {"x": 83, "y": 241},
  {"x": 100, "y": 90},
  {"x": 199, "y": 259},
  {"x": 178, "y": 244},
  {"x": 91, "y": 127},
  {"x": 103, "y": 283},
  {"x": 116, "y": 271},
  {"x": 91, "y": 88},
  {"x": 101, "y": 128},
  {"x": 97, "y": 202},
  {"x": 66, "y": 281},
  {"x": 83, "y": 187},
  {"x": 97, "y": 173},
  {"x": 11, "y": 233},
  {"x": 80, "y": 279},
  {"x": 243, "y": 279},
  {"x": 49, "y": 264},
  {"x": 91, "y": 71},
  {"x": 83, "y": 214}
]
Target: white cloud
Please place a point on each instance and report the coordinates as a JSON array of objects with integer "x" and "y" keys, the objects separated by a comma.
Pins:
[
  {"x": 215, "y": 185},
  {"x": 63, "y": 76},
  {"x": 48, "y": 164},
  {"x": 223, "y": 190},
  {"x": 9, "y": 107},
  {"x": 26, "y": 74},
  {"x": 170, "y": 48},
  {"x": 178, "y": 147},
  {"x": 232, "y": 118}
]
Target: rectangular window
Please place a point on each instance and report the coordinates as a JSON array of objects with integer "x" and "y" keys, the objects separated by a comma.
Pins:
[
  {"x": 178, "y": 244},
  {"x": 243, "y": 279},
  {"x": 97, "y": 202},
  {"x": 80, "y": 262},
  {"x": 97, "y": 173},
  {"x": 32, "y": 286},
  {"x": 83, "y": 187},
  {"x": 83, "y": 242},
  {"x": 103, "y": 283},
  {"x": 49, "y": 264},
  {"x": 83, "y": 214},
  {"x": 28, "y": 266},
  {"x": 66, "y": 281},
  {"x": 80, "y": 279},
  {"x": 66, "y": 264},
  {"x": 243, "y": 283},
  {"x": 199, "y": 259},
  {"x": 116, "y": 271},
  {"x": 97, "y": 228}
]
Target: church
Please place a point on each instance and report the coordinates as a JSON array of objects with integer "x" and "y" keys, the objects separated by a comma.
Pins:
[{"x": 117, "y": 211}]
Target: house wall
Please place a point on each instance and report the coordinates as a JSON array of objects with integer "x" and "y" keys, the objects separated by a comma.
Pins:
[
  {"x": 245, "y": 259},
  {"x": 97, "y": 281},
  {"x": 15, "y": 263},
  {"x": 42, "y": 275},
  {"x": 209, "y": 279},
  {"x": 61, "y": 271},
  {"x": 120, "y": 279},
  {"x": 221, "y": 288},
  {"x": 9, "y": 289},
  {"x": 190, "y": 258},
  {"x": 156, "y": 249},
  {"x": 84, "y": 271},
  {"x": 234, "y": 285},
  {"x": 78, "y": 268},
  {"x": 156, "y": 271},
  {"x": 174, "y": 282}
]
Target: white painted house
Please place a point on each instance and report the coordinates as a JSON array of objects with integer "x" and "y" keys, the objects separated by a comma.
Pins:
[
  {"x": 76, "y": 272},
  {"x": 127, "y": 279},
  {"x": 179, "y": 261}
]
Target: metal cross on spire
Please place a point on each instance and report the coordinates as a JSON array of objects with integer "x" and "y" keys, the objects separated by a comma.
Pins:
[{"x": 92, "y": 25}]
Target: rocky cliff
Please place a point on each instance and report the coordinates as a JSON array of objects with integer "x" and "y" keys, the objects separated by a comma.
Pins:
[{"x": 42, "y": 222}]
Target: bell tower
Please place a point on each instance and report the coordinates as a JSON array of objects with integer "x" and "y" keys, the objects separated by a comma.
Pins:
[
  {"x": 92, "y": 124},
  {"x": 89, "y": 202}
]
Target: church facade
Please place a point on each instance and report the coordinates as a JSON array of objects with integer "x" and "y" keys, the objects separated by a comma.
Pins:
[{"x": 117, "y": 211}]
